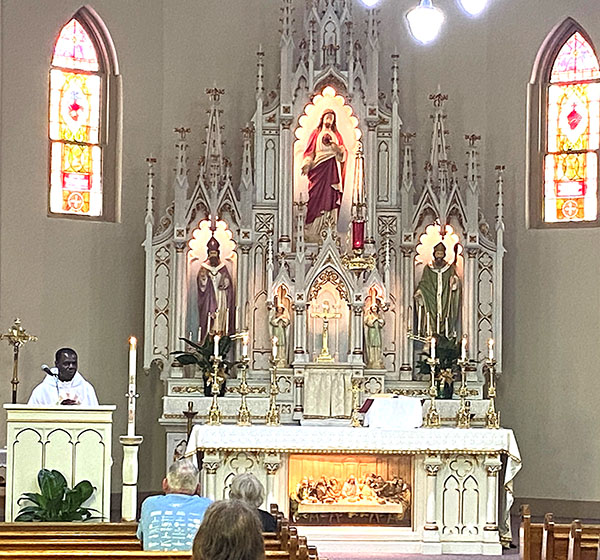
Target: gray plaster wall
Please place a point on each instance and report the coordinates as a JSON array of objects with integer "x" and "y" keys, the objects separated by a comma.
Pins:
[{"x": 81, "y": 284}]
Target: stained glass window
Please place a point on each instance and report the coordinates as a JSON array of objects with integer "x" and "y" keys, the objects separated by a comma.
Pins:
[
  {"x": 74, "y": 124},
  {"x": 573, "y": 134}
]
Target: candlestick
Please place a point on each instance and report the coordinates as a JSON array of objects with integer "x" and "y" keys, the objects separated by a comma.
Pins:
[
  {"x": 245, "y": 345},
  {"x": 244, "y": 418},
  {"x": 490, "y": 348},
  {"x": 463, "y": 353},
  {"x": 132, "y": 386},
  {"x": 273, "y": 417},
  {"x": 216, "y": 345},
  {"x": 432, "y": 418},
  {"x": 216, "y": 378}
]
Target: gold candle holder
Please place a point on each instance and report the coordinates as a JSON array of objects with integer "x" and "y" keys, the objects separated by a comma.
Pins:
[
  {"x": 243, "y": 417},
  {"x": 492, "y": 416},
  {"x": 273, "y": 417},
  {"x": 214, "y": 413},
  {"x": 355, "y": 418},
  {"x": 463, "y": 416},
  {"x": 432, "y": 418}
]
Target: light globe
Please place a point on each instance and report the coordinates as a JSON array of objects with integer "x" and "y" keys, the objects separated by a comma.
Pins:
[{"x": 425, "y": 22}]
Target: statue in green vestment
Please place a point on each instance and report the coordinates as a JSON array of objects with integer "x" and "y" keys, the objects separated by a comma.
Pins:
[{"x": 437, "y": 298}]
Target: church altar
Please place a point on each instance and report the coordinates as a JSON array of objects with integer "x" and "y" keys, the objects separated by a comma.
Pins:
[
  {"x": 460, "y": 492},
  {"x": 348, "y": 260}
]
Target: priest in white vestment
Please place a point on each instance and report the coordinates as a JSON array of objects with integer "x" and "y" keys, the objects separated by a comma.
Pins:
[{"x": 64, "y": 384}]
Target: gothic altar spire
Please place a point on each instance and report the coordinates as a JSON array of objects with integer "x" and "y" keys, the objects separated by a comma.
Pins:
[{"x": 213, "y": 168}]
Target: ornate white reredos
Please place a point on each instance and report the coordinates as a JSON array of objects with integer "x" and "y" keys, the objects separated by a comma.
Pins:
[{"x": 264, "y": 213}]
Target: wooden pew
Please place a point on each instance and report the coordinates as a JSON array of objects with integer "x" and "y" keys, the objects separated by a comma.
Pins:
[
  {"x": 530, "y": 536},
  {"x": 117, "y": 555},
  {"x": 559, "y": 538}
]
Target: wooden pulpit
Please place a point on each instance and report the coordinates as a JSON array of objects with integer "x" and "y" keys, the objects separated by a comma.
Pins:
[{"x": 75, "y": 440}]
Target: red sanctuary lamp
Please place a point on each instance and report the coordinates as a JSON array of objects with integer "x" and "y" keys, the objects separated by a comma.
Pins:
[
  {"x": 358, "y": 203},
  {"x": 356, "y": 260}
]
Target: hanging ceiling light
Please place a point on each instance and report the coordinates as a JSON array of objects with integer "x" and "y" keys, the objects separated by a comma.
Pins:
[
  {"x": 473, "y": 7},
  {"x": 425, "y": 21},
  {"x": 369, "y": 3}
]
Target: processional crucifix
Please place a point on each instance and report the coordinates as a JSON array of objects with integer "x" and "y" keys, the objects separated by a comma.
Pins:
[
  {"x": 326, "y": 315},
  {"x": 17, "y": 336}
]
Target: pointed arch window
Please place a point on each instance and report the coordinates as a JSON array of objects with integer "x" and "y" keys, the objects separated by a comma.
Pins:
[
  {"x": 84, "y": 122},
  {"x": 564, "y": 105}
]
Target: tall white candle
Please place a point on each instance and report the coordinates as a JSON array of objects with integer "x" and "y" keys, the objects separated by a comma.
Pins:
[
  {"x": 463, "y": 353},
  {"x": 216, "y": 342},
  {"x": 199, "y": 334},
  {"x": 433, "y": 347},
  {"x": 275, "y": 339},
  {"x": 491, "y": 348},
  {"x": 131, "y": 388},
  {"x": 245, "y": 345}
]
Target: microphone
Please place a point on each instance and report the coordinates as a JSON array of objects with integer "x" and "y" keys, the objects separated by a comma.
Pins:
[{"x": 48, "y": 371}]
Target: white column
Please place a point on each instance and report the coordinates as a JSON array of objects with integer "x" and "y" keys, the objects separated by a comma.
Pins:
[
  {"x": 271, "y": 464},
  {"x": 300, "y": 349},
  {"x": 491, "y": 535},
  {"x": 243, "y": 321},
  {"x": 356, "y": 334},
  {"x": 131, "y": 446},
  {"x": 470, "y": 299},
  {"x": 285, "y": 185},
  {"x": 431, "y": 533},
  {"x": 298, "y": 411},
  {"x": 408, "y": 306},
  {"x": 210, "y": 465}
]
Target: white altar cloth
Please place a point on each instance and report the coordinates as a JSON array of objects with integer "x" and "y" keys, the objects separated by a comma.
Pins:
[
  {"x": 323, "y": 439},
  {"x": 308, "y": 439}
]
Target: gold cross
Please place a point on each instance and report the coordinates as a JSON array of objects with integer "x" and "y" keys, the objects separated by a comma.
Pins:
[{"x": 17, "y": 336}]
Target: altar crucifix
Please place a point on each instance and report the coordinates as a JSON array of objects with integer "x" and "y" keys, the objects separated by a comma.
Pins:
[{"x": 326, "y": 315}]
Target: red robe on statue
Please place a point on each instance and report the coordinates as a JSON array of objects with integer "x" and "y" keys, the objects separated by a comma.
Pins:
[{"x": 325, "y": 178}]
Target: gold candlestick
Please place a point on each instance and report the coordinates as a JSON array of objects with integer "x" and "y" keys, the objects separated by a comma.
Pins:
[
  {"x": 17, "y": 336},
  {"x": 273, "y": 416},
  {"x": 355, "y": 418},
  {"x": 243, "y": 417},
  {"x": 492, "y": 416},
  {"x": 432, "y": 418},
  {"x": 214, "y": 414},
  {"x": 463, "y": 416}
]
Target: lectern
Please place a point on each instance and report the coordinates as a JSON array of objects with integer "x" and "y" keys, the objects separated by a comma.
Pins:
[{"x": 75, "y": 440}]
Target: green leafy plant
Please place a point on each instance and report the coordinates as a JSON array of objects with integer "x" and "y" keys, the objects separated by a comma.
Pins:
[
  {"x": 56, "y": 501},
  {"x": 447, "y": 350},
  {"x": 201, "y": 355}
]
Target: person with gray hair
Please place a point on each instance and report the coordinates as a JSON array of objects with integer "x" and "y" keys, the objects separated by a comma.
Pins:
[
  {"x": 247, "y": 488},
  {"x": 230, "y": 531},
  {"x": 170, "y": 522}
]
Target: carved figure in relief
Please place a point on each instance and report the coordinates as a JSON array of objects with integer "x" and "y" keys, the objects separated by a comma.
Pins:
[
  {"x": 323, "y": 164},
  {"x": 216, "y": 294},
  {"x": 280, "y": 322},
  {"x": 437, "y": 297},
  {"x": 374, "y": 323}
]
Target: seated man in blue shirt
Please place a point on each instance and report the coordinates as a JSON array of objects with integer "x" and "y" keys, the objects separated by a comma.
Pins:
[{"x": 170, "y": 522}]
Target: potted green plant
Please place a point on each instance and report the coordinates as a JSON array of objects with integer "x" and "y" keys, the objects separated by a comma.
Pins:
[
  {"x": 201, "y": 355},
  {"x": 56, "y": 501}
]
